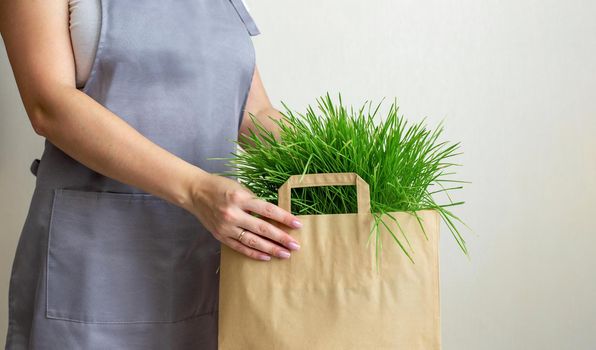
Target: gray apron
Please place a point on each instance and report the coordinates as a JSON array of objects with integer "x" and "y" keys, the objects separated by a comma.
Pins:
[{"x": 104, "y": 265}]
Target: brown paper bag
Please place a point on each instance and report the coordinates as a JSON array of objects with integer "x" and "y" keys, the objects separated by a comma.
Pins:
[{"x": 329, "y": 295}]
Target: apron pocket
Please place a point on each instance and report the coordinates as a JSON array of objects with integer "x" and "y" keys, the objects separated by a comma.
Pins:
[{"x": 128, "y": 258}]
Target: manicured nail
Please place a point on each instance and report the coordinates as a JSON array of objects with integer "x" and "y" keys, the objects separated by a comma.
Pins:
[
  {"x": 294, "y": 245},
  {"x": 296, "y": 224},
  {"x": 283, "y": 254},
  {"x": 265, "y": 257}
]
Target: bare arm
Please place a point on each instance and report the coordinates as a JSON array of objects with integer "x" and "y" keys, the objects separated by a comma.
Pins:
[
  {"x": 260, "y": 106},
  {"x": 38, "y": 43},
  {"x": 36, "y": 36}
]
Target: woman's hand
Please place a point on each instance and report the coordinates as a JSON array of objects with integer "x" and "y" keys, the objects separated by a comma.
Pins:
[{"x": 223, "y": 206}]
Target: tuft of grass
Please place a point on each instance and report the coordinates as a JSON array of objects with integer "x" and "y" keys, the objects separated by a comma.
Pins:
[{"x": 405, "y": 164}]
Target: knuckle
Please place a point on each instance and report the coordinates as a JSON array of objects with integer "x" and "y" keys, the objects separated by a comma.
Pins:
[
  {"x": 263, "y": 228},
  {"x": 274, "y": 251},
  {"x": 238, "y": 246},
  {"x": 269, "y": 209},
  {"x": 252, "y": 242},
  {"x": 251, "y": 253},
  {"x": 287, "y": 239},
  {"x": 227, "y": 214},
  {"x": 235, "y": 244},
  {"x": 234, "y": 195}
]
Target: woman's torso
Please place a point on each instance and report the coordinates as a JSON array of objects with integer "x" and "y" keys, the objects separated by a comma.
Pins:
[
  {"x": 101, "y": 264},
  {"x": 84, "y": 24}
]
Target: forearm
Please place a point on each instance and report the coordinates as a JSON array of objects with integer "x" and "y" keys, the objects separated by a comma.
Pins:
[
  {"x": 102, "y": 141},
  {"x": 263, "y": 117}
]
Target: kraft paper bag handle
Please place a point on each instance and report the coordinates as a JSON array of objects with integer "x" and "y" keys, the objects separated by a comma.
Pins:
[{"x": 325, "y": 179}]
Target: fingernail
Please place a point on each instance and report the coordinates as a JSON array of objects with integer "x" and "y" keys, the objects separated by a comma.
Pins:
[
  {"x": 283, "y": 254},
  {"x": 294, "y": 245},
  {"x": 296, "y": 224},
  {"x": 265, "y": 257}
]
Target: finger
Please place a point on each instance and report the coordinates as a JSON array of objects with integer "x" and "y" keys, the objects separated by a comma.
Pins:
[
  {"x": 243, "y": 249},
  {"x": 272, "y": 211},
  {"x": 266, "y": 229},
  {"x": 264, "y": 245}
]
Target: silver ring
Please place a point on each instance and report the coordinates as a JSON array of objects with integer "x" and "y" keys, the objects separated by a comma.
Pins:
[{"x": 240, "y": 235}]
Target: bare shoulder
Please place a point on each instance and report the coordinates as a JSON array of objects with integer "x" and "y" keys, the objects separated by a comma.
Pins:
[{"x": 37, "y": 40}]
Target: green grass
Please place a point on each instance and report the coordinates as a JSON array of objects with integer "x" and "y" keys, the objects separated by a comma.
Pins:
[{"x": 405, "y": 164}]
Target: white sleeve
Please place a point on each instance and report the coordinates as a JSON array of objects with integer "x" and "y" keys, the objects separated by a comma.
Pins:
[{"x": 84, "y": 26}]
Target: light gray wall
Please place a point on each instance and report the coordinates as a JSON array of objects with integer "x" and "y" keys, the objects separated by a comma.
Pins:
[{"x": 515, "y": 82}]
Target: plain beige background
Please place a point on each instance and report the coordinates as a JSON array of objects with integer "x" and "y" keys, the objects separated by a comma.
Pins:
[{"x": 515, "y": 82}]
